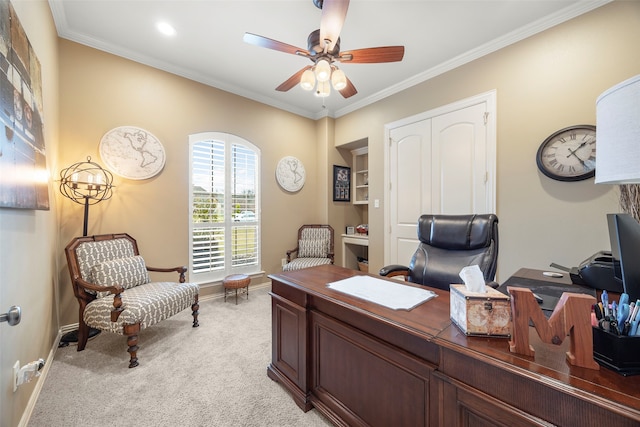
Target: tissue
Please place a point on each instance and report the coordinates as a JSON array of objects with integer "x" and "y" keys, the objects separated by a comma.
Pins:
[{"x": 473, "y": 279}]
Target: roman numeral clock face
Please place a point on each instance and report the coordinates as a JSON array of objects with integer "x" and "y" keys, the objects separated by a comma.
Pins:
[{"x": 569, "y": 154}]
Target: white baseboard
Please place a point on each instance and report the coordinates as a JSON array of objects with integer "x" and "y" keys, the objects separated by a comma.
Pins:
[{"x": 26, "y": 415}]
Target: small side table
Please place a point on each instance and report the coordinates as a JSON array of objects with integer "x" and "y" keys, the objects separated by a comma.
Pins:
[{"x": 236, "y": 281}]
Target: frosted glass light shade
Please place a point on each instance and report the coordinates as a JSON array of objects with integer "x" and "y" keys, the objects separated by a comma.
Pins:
[
  {"x": 323, "y": 70},
  {"x": 308, "y": 80},
  {"x": 323, "y": 89},
  {"x": 618, "y": 134},
  {"x": 338, "y": 79}
]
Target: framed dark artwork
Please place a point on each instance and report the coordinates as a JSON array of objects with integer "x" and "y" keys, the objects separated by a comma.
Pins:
[
  {"x": 341, "y": 183},
  {"x": 24, "y": 181}
]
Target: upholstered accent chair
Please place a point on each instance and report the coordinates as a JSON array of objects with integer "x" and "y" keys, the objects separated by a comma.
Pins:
[
  {"x": 315, "y": 247},
  {"x": 448, "y": 243},
  {"x": 112, "y": 284}
]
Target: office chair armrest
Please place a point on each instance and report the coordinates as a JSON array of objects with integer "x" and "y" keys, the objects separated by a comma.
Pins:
[
  {"x": 493, "y": 284},
  {"x": 394, "y": 270}
]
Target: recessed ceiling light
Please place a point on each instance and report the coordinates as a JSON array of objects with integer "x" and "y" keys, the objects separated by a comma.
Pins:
[{"x": 165, "y": 29}]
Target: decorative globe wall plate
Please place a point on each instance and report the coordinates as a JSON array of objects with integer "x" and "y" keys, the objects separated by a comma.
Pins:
[
  {"x": 290, "y": 174},
  {"x": 132, "y": 152}
]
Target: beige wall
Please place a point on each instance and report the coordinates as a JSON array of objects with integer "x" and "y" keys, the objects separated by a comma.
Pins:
[
  {"x": 544, "y": 83},
  {"x": 29, "y": 240},
  {"x": 100, "y": 91}
]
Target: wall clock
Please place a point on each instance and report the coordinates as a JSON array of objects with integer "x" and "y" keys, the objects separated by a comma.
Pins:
[
  {"x": 132, "y": 152},
  {"x": 569, "y": 154},
  {"x": 290, "y": 174}
]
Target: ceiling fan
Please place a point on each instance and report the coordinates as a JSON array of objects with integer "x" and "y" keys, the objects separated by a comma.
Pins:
[{"x": 324, "y": 50}]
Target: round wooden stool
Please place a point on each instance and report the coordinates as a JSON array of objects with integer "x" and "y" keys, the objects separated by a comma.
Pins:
[{"x": 236, "y": 281}]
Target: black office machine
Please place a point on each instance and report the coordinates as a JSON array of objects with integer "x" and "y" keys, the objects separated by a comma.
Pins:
[{"x": 598, "y": 272}]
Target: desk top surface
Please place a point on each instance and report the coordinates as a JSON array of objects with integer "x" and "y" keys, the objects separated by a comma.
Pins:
[{"x": 431, "y": 320}]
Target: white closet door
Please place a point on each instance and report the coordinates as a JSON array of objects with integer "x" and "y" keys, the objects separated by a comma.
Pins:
[{"x": 442, "y": 163}]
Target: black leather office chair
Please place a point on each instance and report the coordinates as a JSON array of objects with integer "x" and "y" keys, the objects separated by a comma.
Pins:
[{"x": 449, "y": 243}]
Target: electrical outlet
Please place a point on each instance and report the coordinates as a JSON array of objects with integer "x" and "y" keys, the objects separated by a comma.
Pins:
[
  {"x": 284, "y": 262},
  {"x": 16, "y": 369}
]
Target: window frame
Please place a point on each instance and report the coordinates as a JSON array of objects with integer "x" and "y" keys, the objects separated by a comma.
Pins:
[{"x": 229, "y": 223}]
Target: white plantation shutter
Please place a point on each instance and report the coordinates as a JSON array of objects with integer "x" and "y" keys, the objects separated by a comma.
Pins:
[{"x": 224, "y": 206}]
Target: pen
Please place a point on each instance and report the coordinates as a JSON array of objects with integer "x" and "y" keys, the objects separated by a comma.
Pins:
[
  {"x": 614, "y": 310},
  {"x": 605, "y": 302},
  {"x": 634, "y": 315},
  {"x": 598, "y": 310},
  {"x": 623, "y": 313},
  {"x": 624, "y": 299},
  {"x": 632, "y": 306}
]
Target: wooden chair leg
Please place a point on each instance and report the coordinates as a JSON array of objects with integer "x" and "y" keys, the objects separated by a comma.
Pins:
[
  {"x": 131, "y": 331},
  {"x": 195, "y": 307},
  {"x": 132, "y": 342},
  {"x": 83, "y": 334}
]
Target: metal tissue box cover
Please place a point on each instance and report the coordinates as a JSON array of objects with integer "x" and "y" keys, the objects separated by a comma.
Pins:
[{"x": 480, "y": 314}]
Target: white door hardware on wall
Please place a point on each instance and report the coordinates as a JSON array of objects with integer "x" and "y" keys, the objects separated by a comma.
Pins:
[{"x": 13, "y": 316}]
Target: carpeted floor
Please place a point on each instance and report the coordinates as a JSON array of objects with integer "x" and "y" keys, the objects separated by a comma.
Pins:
[{"x": 213, "y": 375}]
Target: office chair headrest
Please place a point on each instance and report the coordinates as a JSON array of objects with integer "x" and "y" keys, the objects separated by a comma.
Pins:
[{"x": 457, "y": 232}]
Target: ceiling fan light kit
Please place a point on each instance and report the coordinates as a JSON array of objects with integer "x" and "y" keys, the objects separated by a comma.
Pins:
[
  {"x": 323, "y": 70},
  {"x": 323, "y": 50},
  {"x": 323, "y": 90},
  {"x": 338, "y": 79},
  {"x": 308, "y": 80}
]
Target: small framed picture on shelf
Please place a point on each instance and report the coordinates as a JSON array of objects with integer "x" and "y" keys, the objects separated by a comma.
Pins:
[{"x": 341, "y": 183}]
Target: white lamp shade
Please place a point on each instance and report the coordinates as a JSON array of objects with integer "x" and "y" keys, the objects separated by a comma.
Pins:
[
  {"x": 323, "y": 89},
  {"x": 308, "y": 80},
  {"x": 323, "y": 70},
  {"x": 338, "y": 79},
  {"x": 618, "y": 134}
]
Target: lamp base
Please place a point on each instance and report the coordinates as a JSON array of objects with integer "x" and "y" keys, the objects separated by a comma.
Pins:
[{"x": 72, "y": 336}]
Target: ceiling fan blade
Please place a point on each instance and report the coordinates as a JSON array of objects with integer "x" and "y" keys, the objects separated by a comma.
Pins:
[
  {"x": 373, "y": 55},
  {"x": 292, "y": 81},
  {"x": 261, "y": 41},
  {"x": 334, "y": 13},
  {"x": 349, "y": 90}
]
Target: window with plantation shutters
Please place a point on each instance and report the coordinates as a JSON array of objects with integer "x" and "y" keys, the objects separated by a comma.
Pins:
[{"x": 224, "y": 202}]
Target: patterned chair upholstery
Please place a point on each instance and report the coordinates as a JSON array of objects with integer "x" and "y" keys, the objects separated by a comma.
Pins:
[
  {"x": 315, "y": 247},
  {"x": 115, "y": 293}
]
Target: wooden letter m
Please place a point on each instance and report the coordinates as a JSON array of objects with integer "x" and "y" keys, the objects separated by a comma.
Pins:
[{"x": 572, "y": 316}]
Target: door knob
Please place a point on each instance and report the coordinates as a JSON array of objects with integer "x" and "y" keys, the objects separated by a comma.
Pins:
[{"x": 13, "y": 316}]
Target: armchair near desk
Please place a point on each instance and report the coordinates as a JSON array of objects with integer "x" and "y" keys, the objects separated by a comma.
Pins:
[
  {"x": 449, "y": 243},
  {"x": 315, "y": 247}
]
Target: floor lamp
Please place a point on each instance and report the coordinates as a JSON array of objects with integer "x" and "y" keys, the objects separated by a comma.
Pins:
[{"x": 86, "y": 183}]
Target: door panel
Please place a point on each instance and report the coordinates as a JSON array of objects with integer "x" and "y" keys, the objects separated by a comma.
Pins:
[
  {"x": 459, "y": 142},
  {"x": 410, "y": 151}
]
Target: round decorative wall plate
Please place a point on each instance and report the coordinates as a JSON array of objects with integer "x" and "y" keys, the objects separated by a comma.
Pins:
[
  {"x": 132, "y": 152},
  {"x": 290, "y": 174}
]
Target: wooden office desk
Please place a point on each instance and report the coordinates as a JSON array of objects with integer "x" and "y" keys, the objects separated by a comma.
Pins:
[{"x": 360, "y": 363}]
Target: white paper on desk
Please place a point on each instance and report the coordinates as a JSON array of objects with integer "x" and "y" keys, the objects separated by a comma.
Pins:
[{"x": 389, "y": 294}]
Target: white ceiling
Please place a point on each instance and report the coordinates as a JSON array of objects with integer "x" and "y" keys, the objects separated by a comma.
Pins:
[{"x": 438, "y": 35}]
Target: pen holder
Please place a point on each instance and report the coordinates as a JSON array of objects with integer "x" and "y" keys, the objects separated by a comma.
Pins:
[{"x": 617, "y": 352}]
